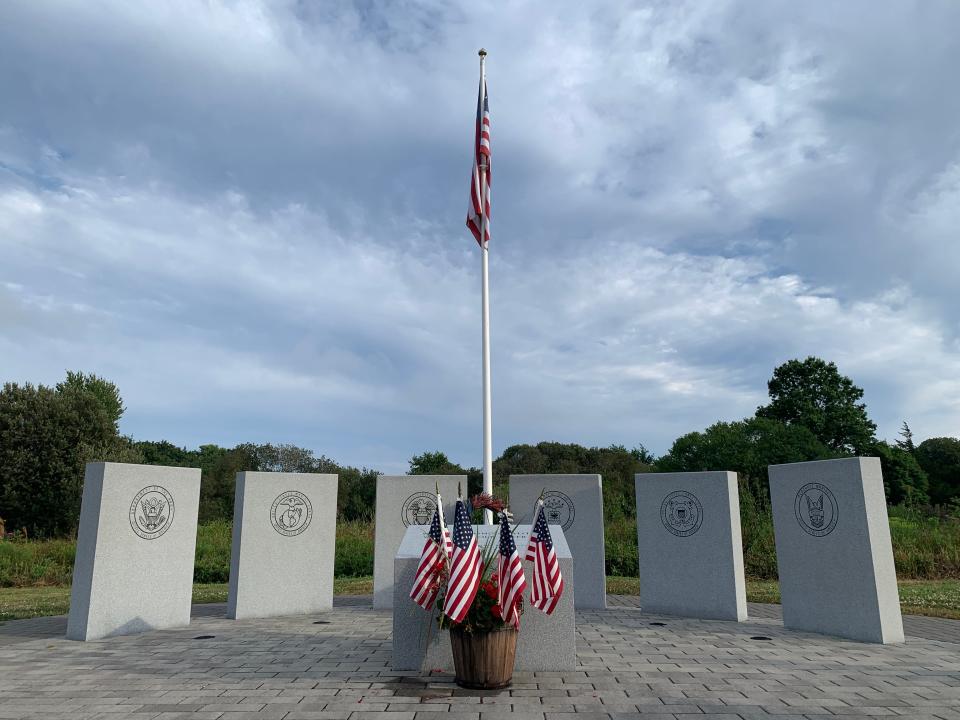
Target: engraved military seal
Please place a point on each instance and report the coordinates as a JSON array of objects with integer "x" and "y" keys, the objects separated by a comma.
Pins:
[
  {"x": 151, "y": 512},
  {"x": 418, "y": 509},
  {"x": 681, "y": 513},
  {"x": 816, "y": 509},
  {"x": 291, "y": 513},
  {"x": 559, "y": 509}
]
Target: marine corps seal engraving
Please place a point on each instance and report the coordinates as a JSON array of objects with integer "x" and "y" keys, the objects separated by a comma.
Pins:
[
  {"x": 681, "y": 513},
  {"x": 151, "y": 512},
  {"x": 418, "y": 509},
  {"x": 559, "y": 509},
  {"x": 816, "y": 509},
  {"x": 291, "y": 513}
]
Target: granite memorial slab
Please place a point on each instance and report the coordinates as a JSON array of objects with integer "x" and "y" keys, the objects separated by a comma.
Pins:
[
  {"x": 834, "y": 553},
  {"x": 545, "y": 642},
  {"x": 284, "y": 533},
  {"x": 135, "y": 549},
  {"x": 574, "y": 502},
  {"x": 404, "y": 501},
  {"x": 690, "y": 548}
]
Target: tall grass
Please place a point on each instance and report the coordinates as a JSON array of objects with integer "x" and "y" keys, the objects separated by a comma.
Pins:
[{"x": 925, "y": 546}]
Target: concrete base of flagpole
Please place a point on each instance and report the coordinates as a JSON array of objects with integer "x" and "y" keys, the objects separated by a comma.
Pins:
[{"x": 546, "y": 642}]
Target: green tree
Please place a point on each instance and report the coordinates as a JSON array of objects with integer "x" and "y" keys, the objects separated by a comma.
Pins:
[
  {"x": 106, "y": 393},
  {"x": 746, "y": 447},
  {"x": 434, "y": 463},
  {"x": 940, "y": 459},
  {"x": 904, "y": 481},
  {"x": 46, "y": 438},
  {"x": 906, "y": 438},
  {"x": 814, "y": 394}
]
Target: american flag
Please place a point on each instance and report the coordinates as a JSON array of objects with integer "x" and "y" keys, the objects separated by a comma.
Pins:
[
  {"x": 480, "y": 180},
  {"x": 547, "y": 581},
  {"x": 436, "y": 554},
  {"x": 510, "y": 573},
  {"x": 464, "y": 568}
]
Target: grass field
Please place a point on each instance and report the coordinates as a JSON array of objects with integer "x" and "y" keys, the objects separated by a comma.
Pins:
[
  {"x": 35, "y": 575},
  {"x": 936, "y": 598}
]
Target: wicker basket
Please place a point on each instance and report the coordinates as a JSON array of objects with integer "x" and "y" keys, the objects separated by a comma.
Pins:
[{"x": 484, "y": 661}]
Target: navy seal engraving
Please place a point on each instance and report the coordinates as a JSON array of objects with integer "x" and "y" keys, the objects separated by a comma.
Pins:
[
  {"x": 559, "y": 509},
  {"x": 816, "y": 509},
  {"x": 151, "y": 512},
  {"x": 291, "y": 513},
  {"x": 418, "y": 509},
  {"x": 681, "y": 513}
]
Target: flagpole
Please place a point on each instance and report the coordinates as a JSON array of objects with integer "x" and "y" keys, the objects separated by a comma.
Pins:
[{"x": 484, "y": 255}]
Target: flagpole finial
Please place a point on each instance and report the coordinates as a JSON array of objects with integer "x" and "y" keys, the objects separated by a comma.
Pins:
[{"x": 482, "y": 53}]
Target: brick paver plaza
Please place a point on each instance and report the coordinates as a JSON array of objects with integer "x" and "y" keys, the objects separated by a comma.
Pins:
[{"x": 630, "y": 665}]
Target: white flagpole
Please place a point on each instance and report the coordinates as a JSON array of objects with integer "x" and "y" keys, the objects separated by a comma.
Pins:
[{"x": 484, "y": 253}]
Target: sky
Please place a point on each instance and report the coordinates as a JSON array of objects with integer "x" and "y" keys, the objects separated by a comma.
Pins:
[{"x": 250, "y": 215}]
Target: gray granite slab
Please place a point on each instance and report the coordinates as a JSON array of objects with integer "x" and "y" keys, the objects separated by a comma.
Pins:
[
  {"x": 834, "y": 553},
  {"x": 135, "y": 550},
  {"x": 576, "y": 503},
  {"x": 402, "y": 501},
  {"x": 690, "y": 548},
  {"x": 284, "y": 534},
  {"x": 546, "y": 642}
]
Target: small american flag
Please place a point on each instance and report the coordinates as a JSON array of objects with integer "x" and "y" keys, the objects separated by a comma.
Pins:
[
  {"x": 464, "y": 568},
  {"x": 480, "y": 180},
  {"x": 436, "y": 554},
  {"x": 510, "y": 573},
  {"x": 547, "y": 581}
]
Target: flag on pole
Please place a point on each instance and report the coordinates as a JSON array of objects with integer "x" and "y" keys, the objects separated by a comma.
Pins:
[
  {"x": 465, "y": 567},
  {"x": 479, "y": 210},
  {"x": 547, "y": 580},
  {"x": 510, "y": 573},
  {"x": 433, "y": 558}
]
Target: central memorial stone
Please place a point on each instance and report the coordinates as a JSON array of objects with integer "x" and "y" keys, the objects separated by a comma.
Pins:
[
  {"x": 404, "y": 501},
  {"x": 576, "y": 503},
  {"x": 545, "y": 643}
]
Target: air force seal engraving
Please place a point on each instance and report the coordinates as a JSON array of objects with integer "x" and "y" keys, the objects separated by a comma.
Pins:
[
  {"x": 559, "y": 509},
  {"x": 681, "y": 513},
  {"x": 418, "y": 509},
  {"x": 291, "y": 513},
  {"x": 816, "y": 509},
  {"x": 151, "y": 512}
]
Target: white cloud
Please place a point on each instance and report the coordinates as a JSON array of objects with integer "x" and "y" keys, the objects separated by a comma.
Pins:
[{"x": 250, "y": 215}]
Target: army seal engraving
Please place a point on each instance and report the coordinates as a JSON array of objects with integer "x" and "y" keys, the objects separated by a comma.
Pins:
[
  {"x": 291, "y": 513},
  {"x": 418, "y": 509},
  {"x": 151, "y": 512},
  {"x": 816, "y": 509},
  {"x": 559, "y": 509},
  {"x": 681, "y": 513}
]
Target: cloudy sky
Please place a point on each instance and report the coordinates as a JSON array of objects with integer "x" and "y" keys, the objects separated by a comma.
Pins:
[{"x": 250, "y": 215}]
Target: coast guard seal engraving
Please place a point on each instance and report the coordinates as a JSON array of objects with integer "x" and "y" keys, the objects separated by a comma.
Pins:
[
  {"x": 151, "y": 512},
  {"x": 418, "y": 509},
  {"x": 559, "y": 509},
  {"x": 291, "y": 513},
  {"x": 816, "y": 509},
  {"x": 681, "y": 513}
]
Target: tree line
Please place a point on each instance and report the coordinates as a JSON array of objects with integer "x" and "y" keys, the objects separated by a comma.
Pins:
[{"x": 47, "y": 435}]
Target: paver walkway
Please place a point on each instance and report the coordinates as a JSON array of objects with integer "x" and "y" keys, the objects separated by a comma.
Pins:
[{"x": 629, "y": 665}]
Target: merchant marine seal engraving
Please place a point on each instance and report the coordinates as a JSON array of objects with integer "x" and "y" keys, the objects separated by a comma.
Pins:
[
  {"x": 418, "y": 509},
  {"x": 151, "y": 512},
  {"x": 291, "y": 513},
  {"x": 681, "y": 513},
  {"x": 559, "y": 509},
  {"x": 816, "y": 509}
]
